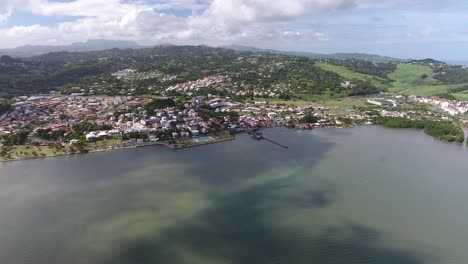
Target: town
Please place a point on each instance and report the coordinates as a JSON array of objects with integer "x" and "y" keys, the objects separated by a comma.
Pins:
[{"x": 76, "y": 123}]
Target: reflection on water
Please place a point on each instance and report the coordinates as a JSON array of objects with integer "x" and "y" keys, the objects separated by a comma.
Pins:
[{"x": 334, "y": 196}]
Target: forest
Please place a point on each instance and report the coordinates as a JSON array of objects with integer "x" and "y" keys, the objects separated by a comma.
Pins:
[
  {"x": 452, "y": 74},
  {"x": 442, "y": 130},
  {"x": 366, "y": 67},
  {"x": 65, "y": 70},
  {"x": 4, "y": 107}
]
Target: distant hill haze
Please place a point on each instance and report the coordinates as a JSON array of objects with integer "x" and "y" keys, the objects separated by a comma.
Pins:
[
  {"x": 90, "y": 45},
  {"x": 100, "y": 45},
  {"x": 356, "y": 56}
]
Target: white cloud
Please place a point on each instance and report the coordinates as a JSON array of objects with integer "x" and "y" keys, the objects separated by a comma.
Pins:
[
  {"x": 215, "y": 22},
  {"x": 86, "y": 8},
  {"x": 27, "y": 31},
  {"x": 426, "y": 32},
  {"x": 429, "y": 31},
  {"x": 222, "y": 21},
  {"x": 5, "y": 16},
  {"x": 267, "y": 10}
]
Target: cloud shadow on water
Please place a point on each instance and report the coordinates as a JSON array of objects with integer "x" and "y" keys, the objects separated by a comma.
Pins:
[
  {"x": 235, "y": 230},
  {"x": 232, "y": 162}
]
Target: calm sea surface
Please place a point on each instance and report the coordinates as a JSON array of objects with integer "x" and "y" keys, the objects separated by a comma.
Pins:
[{"x": 341, "y": 196}]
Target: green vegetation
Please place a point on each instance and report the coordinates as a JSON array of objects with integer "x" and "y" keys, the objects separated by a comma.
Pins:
[
  {"x": 367, "y": 67},
  {"x": 362, "y": 88},
  {"x": 90, "y": 72},
  {"x": 445, "y": 131},
  {"x": 31, "y": 151},
  {"x": 135, "y": 135},
  {"x": 4, "y": 107},
  {"x": 19, "y": 138},
  {"x": 446, "y": 96},
  {"x": 309, "y": 118},
  {"x": 407, "y": 74},
  {"x": 431, "y": 78},
  {"x": 218, "y": 115},
  {"x": 159, "y": 104},
  {"x": 105, "y": 143},
  {"x": 433, "y": 90},
  {"x": 400, "y": 122},
  {"x": 350, "y": 75},
  {"x": 82, "y": 128},
  {"x": 49, "y": 134},
  {"x": 452, "y": 74},
  {"x": 461, "y": 96},
  {"x": 438, "y": 129}
]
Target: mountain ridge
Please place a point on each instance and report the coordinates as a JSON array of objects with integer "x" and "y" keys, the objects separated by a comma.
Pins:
[
  {"x": 340, "y": 55},
  {"x": 27, "y": 51},
  {"x": 89, "y": 45}
]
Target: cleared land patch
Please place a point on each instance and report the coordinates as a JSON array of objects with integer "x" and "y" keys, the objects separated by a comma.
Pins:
[{"x": 407, "y": 74}]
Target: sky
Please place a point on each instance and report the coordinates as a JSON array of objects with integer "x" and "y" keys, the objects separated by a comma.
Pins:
[{"x": 398, "y": 28}]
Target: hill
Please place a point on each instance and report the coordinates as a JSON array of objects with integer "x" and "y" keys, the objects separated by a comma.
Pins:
[
  {"x": 90, "y": 45},
  {"x": 250, "y": 73},
  {"x": 350, "y": 75},
  {"x": 407, "y": 76},
  {"x": 338, "y": 56}
]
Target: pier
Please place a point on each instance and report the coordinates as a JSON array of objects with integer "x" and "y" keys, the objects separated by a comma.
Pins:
[
  {"x": 274, "y": 142},
  {"x": 259, "y": 136}
]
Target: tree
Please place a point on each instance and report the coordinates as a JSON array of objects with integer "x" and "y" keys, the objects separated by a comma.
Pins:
[
  {"x": 4, "y": 107},
  {"x": 159, "y": 104},
  {"x": 309, "y": 118}
]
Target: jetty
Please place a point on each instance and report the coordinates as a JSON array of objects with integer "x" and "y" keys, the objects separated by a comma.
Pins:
[
  {"x": 259, "y": 136},
  {"x": 274, "y": 142}
]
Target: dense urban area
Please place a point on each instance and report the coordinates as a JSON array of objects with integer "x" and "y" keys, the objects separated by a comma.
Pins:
[{"x": 65, "y": 103}]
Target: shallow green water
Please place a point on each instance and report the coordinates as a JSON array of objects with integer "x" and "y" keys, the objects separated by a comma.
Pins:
[{"x": 362, "y": 195}]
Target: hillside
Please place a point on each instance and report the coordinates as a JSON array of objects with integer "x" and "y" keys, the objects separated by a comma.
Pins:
[
  {"x": 350, "y": 75},
  {"x": 432, "y": 78},
  {"x": 90, "y": 45},
  {"x": 250, "y": 73},
  {"x": 406, "y": 75},
  {"x": 336, "y": 56}
]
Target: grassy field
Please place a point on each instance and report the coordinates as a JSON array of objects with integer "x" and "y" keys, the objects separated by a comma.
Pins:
[
  {"x": 305, "y": 100},
  {"x": 341, "y": 105},
  {"x": 105, "y": 143},
  {"x": 429, "y": 89},
  {"x": 436, "y": 90},
  {"x": 348, "y": 74},
  {"x": 461, "y": 96},
  {"x": 347, "y": 102},
  {"x": 20, "y": 152},
  {"x": 298, "y": 102},
  {"x": 406, "y": 74}
]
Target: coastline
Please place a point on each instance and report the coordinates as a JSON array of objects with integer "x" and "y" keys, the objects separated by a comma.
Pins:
[
  {"x": 197, "y": 144},
  {"x": 152, "y": 144}
]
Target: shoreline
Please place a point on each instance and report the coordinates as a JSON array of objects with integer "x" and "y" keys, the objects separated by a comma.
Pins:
[
  {"x": 170, "y": 146},
  {"x": 193, "y": 144}
]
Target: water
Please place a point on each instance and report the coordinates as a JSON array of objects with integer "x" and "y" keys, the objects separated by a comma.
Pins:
[
  {"x": 362, "y": 195},
  {"x": 457, "y": 62}
]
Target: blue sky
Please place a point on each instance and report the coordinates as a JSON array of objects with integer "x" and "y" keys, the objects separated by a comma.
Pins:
[{"x": 398, "y": 28}]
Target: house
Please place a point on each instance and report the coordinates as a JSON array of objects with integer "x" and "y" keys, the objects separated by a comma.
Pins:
[
  {"x": 91, "y": 136},
  {"x": 303, "y": 126},
  {"x": 272, "y": 115}
]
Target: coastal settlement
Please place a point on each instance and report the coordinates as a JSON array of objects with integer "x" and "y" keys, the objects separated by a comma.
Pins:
[{"x": 53, "y": 124}]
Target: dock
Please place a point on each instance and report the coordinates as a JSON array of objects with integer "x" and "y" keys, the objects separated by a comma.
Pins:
[
  {"x": 259, "y": 136},
  {"x": 274, "y": 142}
]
